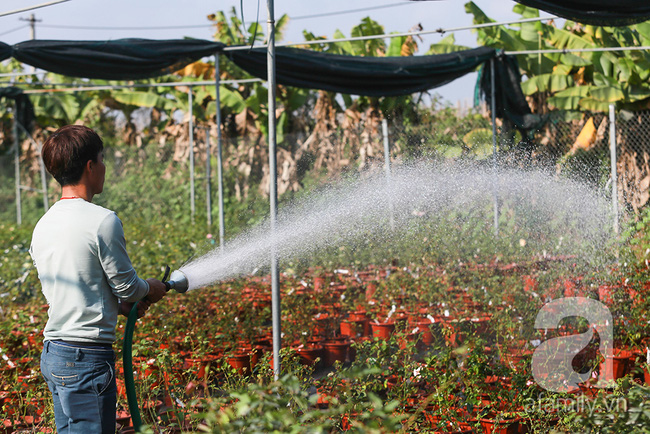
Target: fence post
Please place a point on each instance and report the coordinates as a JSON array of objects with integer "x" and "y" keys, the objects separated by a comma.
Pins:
[
  {"x": 384, "y": 130},
  {"x": 191, "y": 133},
  {"x": 19, "y": 211},
  {"x": 208, "y": 177},
  {"x": 273, "y": 191},
  {"x": 613, "y": 158},
  {"x": 493, "y": 109},
  {"x": 222, "y": 229}
]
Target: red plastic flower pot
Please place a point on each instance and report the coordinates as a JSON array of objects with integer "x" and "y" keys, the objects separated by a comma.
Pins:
[
  {"x": 336, "y": 350},
  {"x": 494, "y": 425},
  {"x": 310, "y": 353},
  {"x": 241, "y": 362},
  {"x": 382, "y": 330}
]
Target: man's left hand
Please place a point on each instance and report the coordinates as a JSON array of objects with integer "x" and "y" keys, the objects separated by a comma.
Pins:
[{"x": 143, "y": 306}]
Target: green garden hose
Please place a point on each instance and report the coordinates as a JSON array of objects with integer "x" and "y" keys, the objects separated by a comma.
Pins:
[
  {"x": 127, "y": 360},
  {"x": 128, "y": 368}
]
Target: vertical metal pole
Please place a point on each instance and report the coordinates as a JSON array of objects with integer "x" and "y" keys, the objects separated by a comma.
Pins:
[
  {"x": 273, "y": 191},
  {"x": 191, "y": 131},
  {"x": 46, "y": 204},
  {"x": 612, "y": 153},
  {"x": 494, "y": 147},
  {"x": 208, "y": 177},
  {"x": 384, "y": 130},
  {"x": 222, "y": 230},
  {"x": 19, "y": 210}
]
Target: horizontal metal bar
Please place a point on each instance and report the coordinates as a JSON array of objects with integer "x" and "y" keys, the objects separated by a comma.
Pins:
[
  {"x": 577, "y": 50},
  {"x": 394, "y": 35},
  {"x": 25, "y": 187},
  {"x": 82, "y": 88}
]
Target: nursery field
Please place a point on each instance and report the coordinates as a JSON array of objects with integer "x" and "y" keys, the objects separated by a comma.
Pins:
[
  {"x": 403, "y": 310},
  {"x": 410, "y": 346}
]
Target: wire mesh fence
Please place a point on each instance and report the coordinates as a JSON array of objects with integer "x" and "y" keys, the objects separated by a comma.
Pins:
[{"x": 571, "y": 145}]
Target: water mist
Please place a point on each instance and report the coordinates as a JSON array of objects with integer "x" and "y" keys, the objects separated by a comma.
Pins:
[{"x": 569, "y": 216}]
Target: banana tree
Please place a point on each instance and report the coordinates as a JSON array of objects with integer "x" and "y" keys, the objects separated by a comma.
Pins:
[{"x": 574, "y": 81}]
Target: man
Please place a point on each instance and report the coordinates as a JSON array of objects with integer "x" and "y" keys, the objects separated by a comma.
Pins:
[{"x": 87, "y": 278}]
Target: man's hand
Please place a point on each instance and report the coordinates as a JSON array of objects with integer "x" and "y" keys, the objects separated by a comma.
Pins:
[
  {"x": 143, "y": 306},
  {"x": 157, "y": 290}
]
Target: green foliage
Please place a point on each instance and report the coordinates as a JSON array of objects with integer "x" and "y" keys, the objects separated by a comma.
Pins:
[{"x": 580, "y": 80}]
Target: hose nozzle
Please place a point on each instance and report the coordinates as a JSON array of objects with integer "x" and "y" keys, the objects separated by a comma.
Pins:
[{"x": 177, "y": 281}]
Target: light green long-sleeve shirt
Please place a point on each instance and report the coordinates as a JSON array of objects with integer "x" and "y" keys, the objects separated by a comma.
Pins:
[{"x": 80, "y": 253}]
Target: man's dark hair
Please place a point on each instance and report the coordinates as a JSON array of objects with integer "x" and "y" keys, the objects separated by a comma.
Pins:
[{"x": 66, "y": 152}]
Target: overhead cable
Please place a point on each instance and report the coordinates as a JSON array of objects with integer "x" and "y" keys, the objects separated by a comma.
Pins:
[
  {"x": 198, "y": 26},
  {"x": 31, "y": 8},
  {"x": 13, "y": 30}
]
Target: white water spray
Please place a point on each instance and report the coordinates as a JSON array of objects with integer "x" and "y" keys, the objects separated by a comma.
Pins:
[{"x": 418, "y": 197}]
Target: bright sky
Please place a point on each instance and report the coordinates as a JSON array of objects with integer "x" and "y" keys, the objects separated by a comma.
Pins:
[{"x": 167, "y": 19}]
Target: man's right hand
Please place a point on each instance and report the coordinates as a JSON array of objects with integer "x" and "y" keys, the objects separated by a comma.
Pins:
[{"x": 157, "y": 290}]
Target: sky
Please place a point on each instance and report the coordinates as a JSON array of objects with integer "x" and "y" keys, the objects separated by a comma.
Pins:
[{"x": 175, "y": 19}]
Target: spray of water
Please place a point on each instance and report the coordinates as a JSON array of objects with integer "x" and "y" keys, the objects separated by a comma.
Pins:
[{"x": 415, "y": 206}]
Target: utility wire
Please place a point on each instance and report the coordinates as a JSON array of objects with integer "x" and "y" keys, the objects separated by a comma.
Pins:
[
  {"x": 350, "y": 11},
  {"x": 198, "y": 26},
  {"x": 59, "y": 26},
  {"x": 13, "y": 30},
  {"x": 31, "y": 8}
]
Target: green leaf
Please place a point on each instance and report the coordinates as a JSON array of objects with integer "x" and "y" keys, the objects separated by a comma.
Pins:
[
  {"x": 643, "y": 29},
  {"x": 525, "y": 11},
  {"x": 450, "y": 151},
  {"x": 569, "y": 99},
  {"x": 637, "y": 93},
  {"x": 344, "y": 47},
  {"x": 231, "y": 99},
  {"x": 625, "y": 68},
  {"x": 445, "y": 45},
  {"x": 479, "y": 15},
  {"x": 594, "y": 105},
  {"x": 561, "y": 38},
  {"x": 546, "y": 82},
  {"x": 89, "y": 107},
  {"x": 607, "y": 94},
  {"x": 395, "y": 47},
  {"x": 64, "y": 107},
  {"x": 140, "y": 99},
  {"x": 562, "y": 69},
  {"x": 574, "y": 60},
  {"x": 603, "y": 80},
  {"x": 559, "y": 83}
]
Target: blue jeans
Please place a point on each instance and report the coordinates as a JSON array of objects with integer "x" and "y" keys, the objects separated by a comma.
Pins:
[{"x": 82, "y": 383}]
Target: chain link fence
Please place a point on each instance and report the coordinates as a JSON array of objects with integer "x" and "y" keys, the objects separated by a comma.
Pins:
[{"x": 570, "y": 145}]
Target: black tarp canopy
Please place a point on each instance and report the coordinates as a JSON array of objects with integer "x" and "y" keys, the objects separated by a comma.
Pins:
[
  {"x": 370, "y": 76},
  {"x": 127, "y": 59},
  {"x": 121, "y": 59},
  {"x": 24, "y": 108},
  {"x": 596, "y": 12}
]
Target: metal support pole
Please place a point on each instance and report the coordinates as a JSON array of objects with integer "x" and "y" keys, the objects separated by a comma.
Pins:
[
  {"x": 46, "y": 204},
  {"x": 273, "y": 191},
  {"x": 612, "y": 153},
  {"x": 208, "y": 178},
  {"x": 494, "y": 147},
  {"x": 222, "y": 230},
  {"x": 384, "y": 130},
  {"x": 19, "y": 211},
  {"x": 191, "y": 132}
]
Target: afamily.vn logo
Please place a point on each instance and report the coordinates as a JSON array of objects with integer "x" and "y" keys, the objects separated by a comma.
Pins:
[{"x": 552, "y": 362}]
